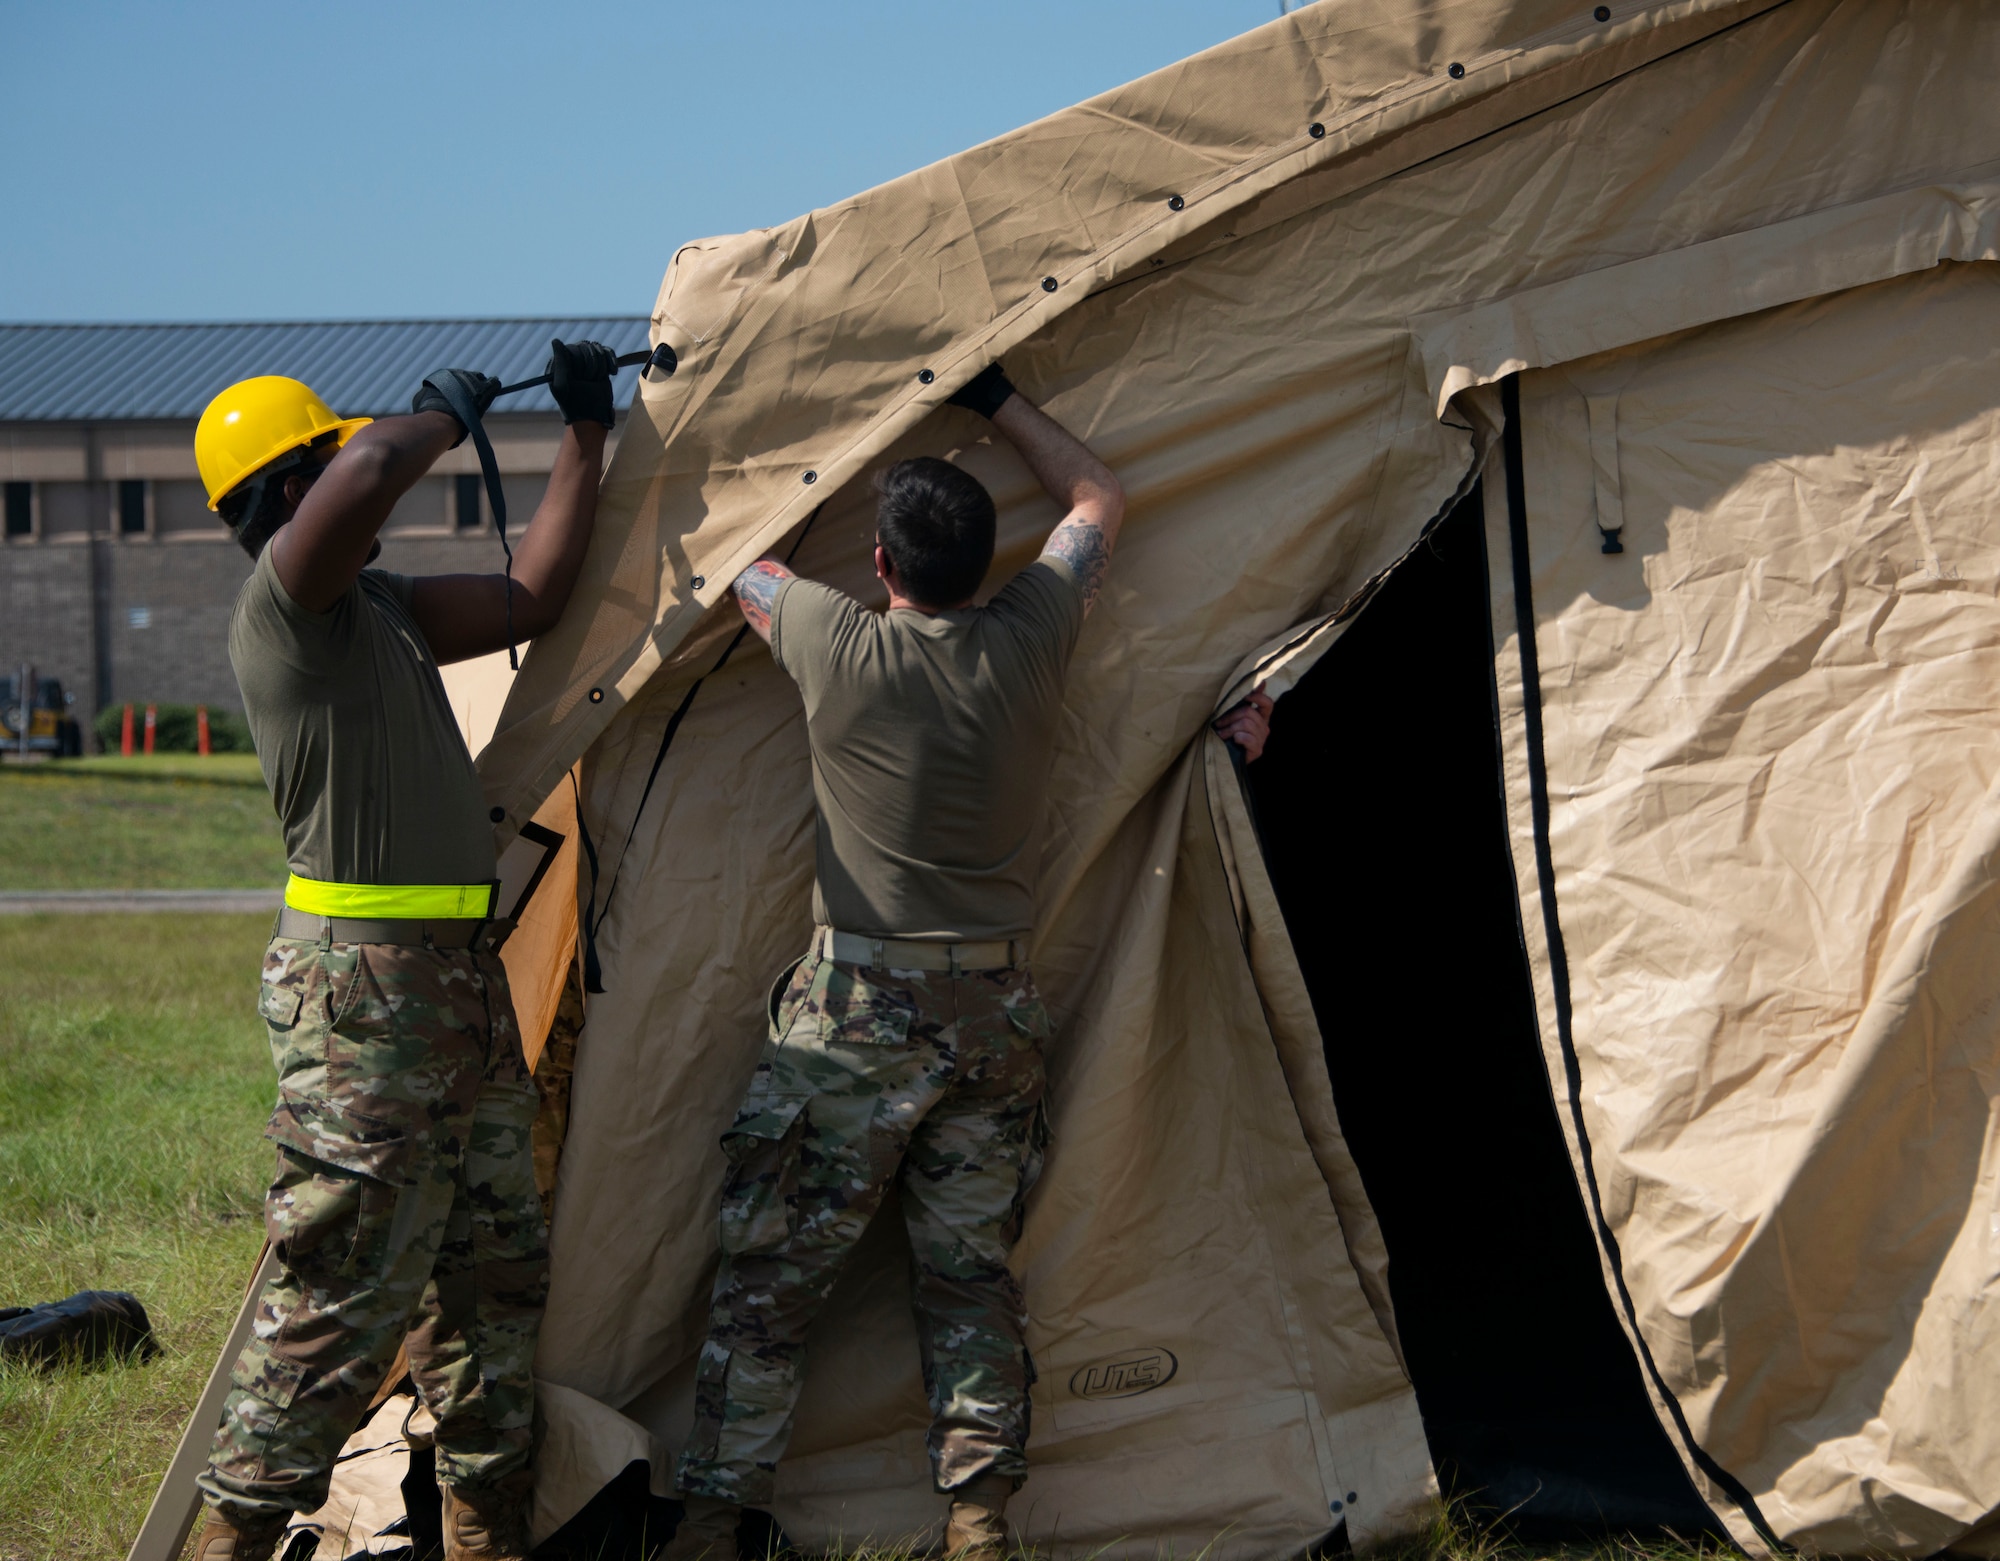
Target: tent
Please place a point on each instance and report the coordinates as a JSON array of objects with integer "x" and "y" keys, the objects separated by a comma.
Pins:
[{"x": 1605, "y": 939}]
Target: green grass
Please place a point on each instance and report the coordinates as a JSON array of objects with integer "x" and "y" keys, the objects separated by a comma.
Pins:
[
  {"x": 170, "y": 822},
  {"x": 134, "y": 1083},
  {"x": 1457, "y": 1533},
  {"x": 226, "y": 769}
]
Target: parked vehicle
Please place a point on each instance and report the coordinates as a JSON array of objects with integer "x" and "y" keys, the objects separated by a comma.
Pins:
[{"x": 51, "y": 717}]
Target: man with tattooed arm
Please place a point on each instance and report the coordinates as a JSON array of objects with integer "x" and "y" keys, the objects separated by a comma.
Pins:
[{"x": 906, "y": 1045}]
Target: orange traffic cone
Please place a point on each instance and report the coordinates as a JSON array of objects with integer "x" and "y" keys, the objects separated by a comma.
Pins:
[
  {"x": 201, "y": 730},
  {"x": 125, "y": 734}
]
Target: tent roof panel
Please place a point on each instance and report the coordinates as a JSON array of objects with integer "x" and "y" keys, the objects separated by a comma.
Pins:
[{"x": 845, "y": 308}]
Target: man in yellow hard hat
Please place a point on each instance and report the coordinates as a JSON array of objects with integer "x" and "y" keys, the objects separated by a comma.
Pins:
[{"x": 404, "y": 1204}]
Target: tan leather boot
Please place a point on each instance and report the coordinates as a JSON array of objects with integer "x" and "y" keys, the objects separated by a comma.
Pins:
[
  {"x": 488, "y": 1522},
  {"x": 223, "y": 1539},
  {"x": 707, "y": 1531},
  {"x": 978, "y": 1527}
]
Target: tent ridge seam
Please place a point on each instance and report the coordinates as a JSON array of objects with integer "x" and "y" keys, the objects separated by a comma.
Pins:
[{"x": 1444, "y": 337}]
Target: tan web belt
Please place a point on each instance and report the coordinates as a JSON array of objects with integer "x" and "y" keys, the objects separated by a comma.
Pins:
[{"x": 850, "y": 948}]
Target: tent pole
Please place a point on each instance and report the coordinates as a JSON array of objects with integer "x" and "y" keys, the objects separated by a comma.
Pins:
[{"x": 177, "y": 1501}]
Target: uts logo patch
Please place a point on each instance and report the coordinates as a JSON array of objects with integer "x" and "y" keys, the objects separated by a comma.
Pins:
[{"x": 1125, "y": 1376}]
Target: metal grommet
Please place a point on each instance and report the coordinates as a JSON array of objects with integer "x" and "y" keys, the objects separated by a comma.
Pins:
[
  {"x": 925, "y": 376},
  {"x": 1352, "y": 1498},
  {"x": 1455, "y": 70},
  {"x": 698, "y": 581},
  {"x": 1048, "y": 284},
  {"x": 1175, "y": 203},
  {"x": 1333, "y": 1506},
  {"x": 810, "y": 477},
  {"x": 1315, "y": 129},
  {"x": 497, "y": 814},
  {"x": 1602, "y": 13},
  {"x": 597, "y": 696}
]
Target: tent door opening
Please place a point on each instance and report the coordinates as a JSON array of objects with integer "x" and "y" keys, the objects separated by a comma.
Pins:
[{"x": 1380, "y": 807}]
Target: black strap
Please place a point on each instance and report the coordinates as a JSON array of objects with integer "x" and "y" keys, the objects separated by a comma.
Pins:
[
  {"x": 466, "y": 410},
  {"x": 1558, "y": 956},
  {"x": 593, "y": 971},
  {"x": 590, "y": 981}
]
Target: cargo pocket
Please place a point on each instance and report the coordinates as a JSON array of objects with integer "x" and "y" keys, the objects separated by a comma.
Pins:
[
  {"x": 762, "y": 1145},
  {"x": 341, "y": 1173},
  {"x": 278, "y": 1003},
  {"x": 742, "y": 1408},
  {"x": 271, "y": 1379},
  {"x": 341, "y": 1136}
]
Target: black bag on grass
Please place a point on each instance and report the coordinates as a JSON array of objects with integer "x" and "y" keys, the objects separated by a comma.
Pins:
[{"x": 87, "y": 1327}]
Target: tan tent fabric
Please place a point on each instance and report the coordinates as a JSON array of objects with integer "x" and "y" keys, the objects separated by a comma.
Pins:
[
  {"x": 800, "y": 346},
  {"x": 542, "y": 946},
  {"x": 1771, "y": 743},
  {"x": 1270, "y": 391},
  {"x": 363, "y": 1512}
]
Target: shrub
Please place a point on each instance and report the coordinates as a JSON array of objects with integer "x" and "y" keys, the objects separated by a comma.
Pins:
[{"x": 173, "y": 729}]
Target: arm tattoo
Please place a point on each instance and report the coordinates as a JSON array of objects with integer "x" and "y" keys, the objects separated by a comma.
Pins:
[
  {"x": 757, "y": 592},
  {"x": 1081, "y": 545}
]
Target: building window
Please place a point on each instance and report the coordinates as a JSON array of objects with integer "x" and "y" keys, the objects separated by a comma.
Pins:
[
  {"x": 466, "y": 489},
  {"x": 131, "y": 508},
  {"x": 20, "y": 509}
]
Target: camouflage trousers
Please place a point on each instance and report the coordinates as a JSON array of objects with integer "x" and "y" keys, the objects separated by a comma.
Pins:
[
  {"x": 922, "y": 1080},
  {"x": 404, "y": 1207}
]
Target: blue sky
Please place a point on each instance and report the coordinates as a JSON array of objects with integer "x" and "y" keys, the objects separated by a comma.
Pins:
[{"x": 372, "y": 160}]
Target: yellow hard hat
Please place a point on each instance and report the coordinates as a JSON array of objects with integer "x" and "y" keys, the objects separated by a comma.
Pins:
[{"x": 254, "y": 422}]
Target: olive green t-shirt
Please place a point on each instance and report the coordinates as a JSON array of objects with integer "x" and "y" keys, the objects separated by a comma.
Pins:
[
  {"x": 931, "y": 741},
  {"x": 366, "y": 765}
]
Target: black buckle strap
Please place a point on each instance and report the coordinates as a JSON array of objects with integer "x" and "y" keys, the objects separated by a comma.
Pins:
[
  {"x": 455, "y": 933},
  {"x": 464, "y": 409}
]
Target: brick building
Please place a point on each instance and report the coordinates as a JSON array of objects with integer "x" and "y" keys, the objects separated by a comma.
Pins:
[{"x": 114, "y": 574}]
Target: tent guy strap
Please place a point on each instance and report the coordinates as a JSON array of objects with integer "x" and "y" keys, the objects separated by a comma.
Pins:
[{"x": 661, "y": 359}]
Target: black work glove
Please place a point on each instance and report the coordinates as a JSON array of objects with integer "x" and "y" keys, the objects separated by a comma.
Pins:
[
  {"x": 482, "y": 388},
  {"x": 580, "y": 380},
  {"x": 985, "y": 393}
]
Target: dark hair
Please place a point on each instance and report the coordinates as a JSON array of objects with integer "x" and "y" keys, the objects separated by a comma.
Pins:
[{"x": 936, "y": 524}]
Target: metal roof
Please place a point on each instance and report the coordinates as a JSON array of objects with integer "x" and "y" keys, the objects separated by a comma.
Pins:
[{"x": 52, "y": 373}]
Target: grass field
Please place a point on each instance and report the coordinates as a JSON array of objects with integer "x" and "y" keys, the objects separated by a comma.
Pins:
[
  {"x": 170, "y": 822},
  {"x": 225, "y": 769},
  {"x": 134, "y": 1083}
]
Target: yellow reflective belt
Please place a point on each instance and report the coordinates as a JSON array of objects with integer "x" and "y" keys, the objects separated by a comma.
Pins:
[{"x": 389, "y": 902}]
